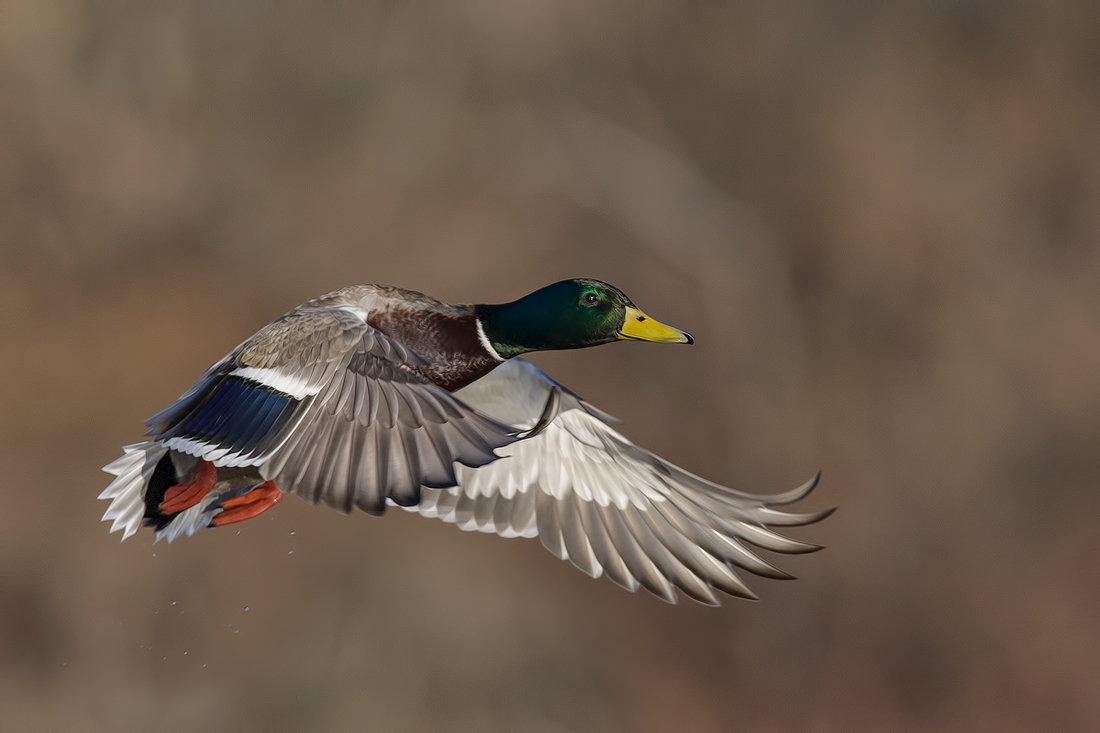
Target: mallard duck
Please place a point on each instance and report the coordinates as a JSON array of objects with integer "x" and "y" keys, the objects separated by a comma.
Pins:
[{"x": 374, "y": 395}]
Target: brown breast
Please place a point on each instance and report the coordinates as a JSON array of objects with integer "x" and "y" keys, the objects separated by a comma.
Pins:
[{"x": 446, "y": 338}]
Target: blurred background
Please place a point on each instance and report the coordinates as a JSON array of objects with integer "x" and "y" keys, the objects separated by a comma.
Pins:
[{"x": 880, "y": 222}]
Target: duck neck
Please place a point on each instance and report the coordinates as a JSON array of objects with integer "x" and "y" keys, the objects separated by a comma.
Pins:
[{"x": 511, "y": 329}]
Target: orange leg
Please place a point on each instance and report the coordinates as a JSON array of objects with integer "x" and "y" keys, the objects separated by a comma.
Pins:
[
  {"x": 253, "y": 504},
  {"x": 190, "y": 492}
]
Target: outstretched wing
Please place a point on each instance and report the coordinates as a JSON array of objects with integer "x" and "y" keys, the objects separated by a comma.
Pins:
[
  {"x": 333, "y": 410},
  {"x": 604, "y": 503}
]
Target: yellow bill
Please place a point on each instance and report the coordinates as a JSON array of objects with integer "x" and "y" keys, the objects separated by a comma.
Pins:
[{"x": 637, "y": 326}]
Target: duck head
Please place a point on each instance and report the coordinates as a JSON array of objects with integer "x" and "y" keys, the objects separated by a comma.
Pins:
[{"x": 571, "y": 314}]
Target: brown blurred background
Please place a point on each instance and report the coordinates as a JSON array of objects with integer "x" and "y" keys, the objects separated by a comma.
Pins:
[{"x": 879, "y": 221}]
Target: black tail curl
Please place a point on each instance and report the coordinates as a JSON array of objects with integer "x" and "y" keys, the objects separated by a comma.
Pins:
[{"x": 164, "y": 477}]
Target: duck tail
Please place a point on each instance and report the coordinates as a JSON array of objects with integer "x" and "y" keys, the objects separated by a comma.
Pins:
[
  {"x": 143, "y": 473},
  {"x": 127, "y": 492}
]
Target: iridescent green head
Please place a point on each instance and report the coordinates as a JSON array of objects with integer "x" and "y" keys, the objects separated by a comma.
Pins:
[{"x": 570, "y": 314}]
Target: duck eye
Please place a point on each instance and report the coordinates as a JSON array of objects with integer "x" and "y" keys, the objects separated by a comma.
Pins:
[{"x": 591, "y": 298}]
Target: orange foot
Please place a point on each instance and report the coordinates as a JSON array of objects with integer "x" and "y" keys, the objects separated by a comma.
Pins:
[
  {"x": 252, "y": 504},
  {"x": 190, "y": 492}
]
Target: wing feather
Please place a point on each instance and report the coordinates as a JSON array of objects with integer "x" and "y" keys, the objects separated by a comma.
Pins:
[
  {"x": 549, "y": 531},
  {"x": 641, "y": 566},
  {"x": 665, "y": 559},
  {"x": 464, "y": 512},
  {"x": 604, "y": 548},
  {"x": 575, "y": 539},
  {"x": 483, "y": 513}
]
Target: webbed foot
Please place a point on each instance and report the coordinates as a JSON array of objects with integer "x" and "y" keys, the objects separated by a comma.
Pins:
[
  {"x": 190, "y": 492},
  {"x": 252, "y": 503}
]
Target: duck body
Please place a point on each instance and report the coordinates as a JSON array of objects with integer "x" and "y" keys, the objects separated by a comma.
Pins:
[{"x": 374, "y": 395}]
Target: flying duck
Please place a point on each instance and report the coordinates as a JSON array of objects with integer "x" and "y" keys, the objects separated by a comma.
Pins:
[{"x": 375, "y": 395}]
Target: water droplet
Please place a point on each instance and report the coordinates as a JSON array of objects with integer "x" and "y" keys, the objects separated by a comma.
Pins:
[
  {"x": 173, "y": 603},
  {"x": 292, "y": 533},
  {"x": 204, "y": 666},
  {"x": 291, "y": 552},
  {"x": 155, "y": 612},
  {"x": 247, "y": 609},
  {"x": 154, "y": 554},
  {"x": 166, "y": 659},
  {"x": 185, "y": 654},
  {"x": 236, "y": 631}
]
